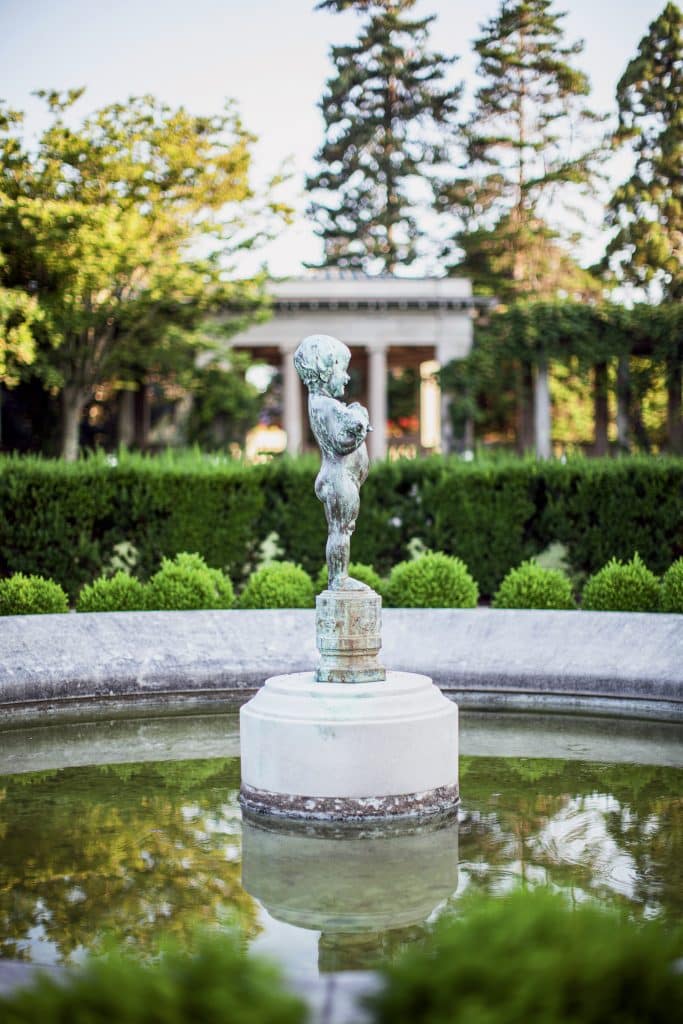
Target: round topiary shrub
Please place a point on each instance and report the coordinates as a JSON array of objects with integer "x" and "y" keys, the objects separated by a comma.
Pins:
[
  {"x": 671, "y": 593},
  {"x": 118, "y": 593},
  {"x": 619, "y": 587},
  {"x": 531, "y": 586},
  {"x": 359, "y": 571},
  {"x": 218, "y": 983},
  {"x": 31, "y": 595},
  {"x": 186, "y": 583},
  {"x": 530, "y": 957},
  {"x": 432, "y": 581},
  {"x": 278, "y": 585}
]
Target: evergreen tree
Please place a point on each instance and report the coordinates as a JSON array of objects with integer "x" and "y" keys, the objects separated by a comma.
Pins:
[
  {"x": 648, "y": 208},
  {"x": 521, "y": 154},
  {"x": 385, "y": 109}
]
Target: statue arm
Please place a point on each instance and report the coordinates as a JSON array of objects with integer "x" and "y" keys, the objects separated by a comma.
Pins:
[{"x": 349, "y": 427}]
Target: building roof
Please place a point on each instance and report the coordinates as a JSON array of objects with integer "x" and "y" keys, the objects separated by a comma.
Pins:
[{"x": 335, "y": 289}]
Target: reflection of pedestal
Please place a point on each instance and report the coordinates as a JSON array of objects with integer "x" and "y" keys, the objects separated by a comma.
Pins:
[
  {"x": 349, "y": 742},
  {"x": 348, "y": 632},
  {"x": 365, "y": 893}
]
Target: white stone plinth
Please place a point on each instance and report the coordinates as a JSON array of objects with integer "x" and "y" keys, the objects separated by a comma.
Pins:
[{"x": 335, "y": 751}]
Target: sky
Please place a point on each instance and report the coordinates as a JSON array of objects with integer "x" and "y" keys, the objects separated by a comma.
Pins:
[{"x": 272, "y": 58}]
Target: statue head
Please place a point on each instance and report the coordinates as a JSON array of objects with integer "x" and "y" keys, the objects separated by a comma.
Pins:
[{"x": 321, "y": 361}]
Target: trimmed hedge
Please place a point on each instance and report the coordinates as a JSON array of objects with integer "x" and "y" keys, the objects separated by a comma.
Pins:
[
  {"x": 622, "y": 588},
  {"x": 278, "y": 585},
  {"x": 671, "y": 593},
  {"x": 31, "y": 595},
  {"x": 532, "y": 586},
  {"x": 434, "y": 580},
  {"x": 63, "y": 520}
]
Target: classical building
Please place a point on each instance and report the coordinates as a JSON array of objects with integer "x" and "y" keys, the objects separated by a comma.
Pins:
[{"x": 390, "y": 324}]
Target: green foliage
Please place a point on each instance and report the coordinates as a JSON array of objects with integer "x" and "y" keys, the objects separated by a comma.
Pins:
[
  {"x": 186, "y": 583},
  {"x": 31, "y": 595},
  {"x": 98, "y": 218},
  {"x": 432, "y": 581},
  {"x": 531, "y": 586},
  {"x": 648, "y": 208},
  {"x": 359, "y": 571},
  {"x": 672, "y": 588},
  {"x": 63, "y": 521},
  {"x": 619, "y": 587},
  {"x": 278, "y": 585},
  {"x": 218, "y": 983},
  {"x": 118, "y": 593},
  {"x": 525, "y": 143},
  {"x": 530, "y": 957},
  {"x": 384, "y": 109}
]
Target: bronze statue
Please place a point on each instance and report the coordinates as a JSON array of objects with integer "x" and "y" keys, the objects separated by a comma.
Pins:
[{"x": 340, "y": 430}]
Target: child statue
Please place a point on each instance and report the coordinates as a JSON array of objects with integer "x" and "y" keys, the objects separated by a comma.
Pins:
[{"x": 340, "y": 430}]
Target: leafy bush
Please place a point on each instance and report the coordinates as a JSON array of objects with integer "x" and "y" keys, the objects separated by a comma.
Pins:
[
  {"x": 219, "y": 983},
  {"x": 31, "y": 595},
  {"x": 622, "y": 588},
  {"x": 187, "y": 583},
  {"x": 531, "y": 958},
  {"x": 364, "y": 573},
  {"x": 530, "y": 586},
  {"x": 278, "y": 585},
  {"x": 671, "y": 594},
  {"x": 432, "y": 581},
  {"x": 118, "y": 593},
  {"x": 64, "y": 520}
]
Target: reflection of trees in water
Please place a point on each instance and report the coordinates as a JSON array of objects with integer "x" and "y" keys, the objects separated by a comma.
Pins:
[
  {"x": 610, "y": 832},
  {"x": 138, "y": 853}
]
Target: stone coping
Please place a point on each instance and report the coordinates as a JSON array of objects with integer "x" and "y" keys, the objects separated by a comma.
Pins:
[{"x": 89, "y": 665}]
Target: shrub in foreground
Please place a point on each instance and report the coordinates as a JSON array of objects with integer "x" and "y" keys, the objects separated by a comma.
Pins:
[
  {"x": 118, "y": 593},
  {"x": 219, "y": 983},
  {"x": 531, "y": 586},
  {"x": 671, "y": 594},
  {"x": 532, "y": 958},
  {"x": 186, "y": 583},
  {"x": 432, "y": 581},
  {"x": 31, "y": 595},
  {"x": 359, "y": 571},
  {"x": 278, "y": 585},
  {"x": 619, "y": 587}
]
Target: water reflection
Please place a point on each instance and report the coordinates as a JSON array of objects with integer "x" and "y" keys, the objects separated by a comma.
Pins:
[{"x": 367, "y": 893}]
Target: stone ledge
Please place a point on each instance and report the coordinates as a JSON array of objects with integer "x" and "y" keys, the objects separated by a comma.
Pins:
[{"x": 80, "y": 665}]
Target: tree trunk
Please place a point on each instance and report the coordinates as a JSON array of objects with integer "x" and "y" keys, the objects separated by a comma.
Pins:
[
  {"x": 525, "y": 410},
  {"x": 142, "y": 417},
  {"x": 601, "y": 409},
  {"x": 73, "y": 400},
  {"x": 673, "y": 412},
  {"x": 126, "y": 419},
  {"x": 623, "y": 404},
  {"x": 542, "y": 414}
]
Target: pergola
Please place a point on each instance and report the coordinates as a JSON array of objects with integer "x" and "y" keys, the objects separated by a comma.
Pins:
[{"x": 387, "y": 322}]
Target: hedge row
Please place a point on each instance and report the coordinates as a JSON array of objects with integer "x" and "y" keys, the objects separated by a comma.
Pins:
[{"x": 63, "y": 521}]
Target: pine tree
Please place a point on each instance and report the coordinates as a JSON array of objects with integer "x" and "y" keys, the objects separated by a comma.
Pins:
[
  {"x": 648, "y": 208},
  {"x": 385, "y": 109},
  {"x": 520, "y": 155}
]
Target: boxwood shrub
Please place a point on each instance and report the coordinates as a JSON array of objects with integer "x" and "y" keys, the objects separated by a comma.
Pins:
[
  {"x": 434, "y": 580},
  {"x": 672, "y": 588},
  {"x": 278, "y": 585},
  {"x": 31, "y": 595},
  {"x": 531, "y": 586},
  {"x": 118, "y": 593},
  {"x": 219, "y": 983},
  {"x": 187, "y": 583},
  {"x": 619, "y": 587},
  {"x": 63, "y": 520},
  {"x": 530, "y": 957}
]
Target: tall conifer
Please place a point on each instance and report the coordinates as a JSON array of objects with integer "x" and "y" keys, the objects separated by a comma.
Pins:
[
  {"x": 648, "y": 208},
  {"x": 385, "y": 109},
  {"x": 522, "y": 148}
]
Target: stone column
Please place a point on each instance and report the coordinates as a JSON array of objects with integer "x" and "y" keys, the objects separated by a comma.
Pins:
[
  {"x": 542, "y": 411},
  {"x": 291, "y": 401},
  {"x": 430, "y": 406},
  {"x": 377, "y": 401}
]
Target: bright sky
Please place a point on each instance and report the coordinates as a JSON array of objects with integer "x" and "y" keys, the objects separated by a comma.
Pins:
[{"x": 271, "y": 56}]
